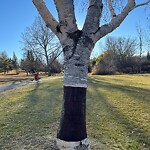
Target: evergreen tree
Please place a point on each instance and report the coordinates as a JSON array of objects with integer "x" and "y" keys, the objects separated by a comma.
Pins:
[
  {"x": 28, "y": 64},
  {"x": 5, "y": 63},
  {"x": 15, "y": 62},
  {"x": 148, "y": 56}
]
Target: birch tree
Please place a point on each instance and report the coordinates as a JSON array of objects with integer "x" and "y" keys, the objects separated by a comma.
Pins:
[{"x": 77, "y": 46}]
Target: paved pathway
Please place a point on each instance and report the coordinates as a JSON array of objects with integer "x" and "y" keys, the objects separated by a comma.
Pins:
[{"x": 16, "y": 85}]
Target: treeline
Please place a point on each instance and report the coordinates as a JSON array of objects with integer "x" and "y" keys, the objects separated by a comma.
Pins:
[
  {"x": 32, "y": 64},
  {"x": 7, "y": 64},
  {"x": 29, "y": 64},
  {"x": 120, "y": 56}
]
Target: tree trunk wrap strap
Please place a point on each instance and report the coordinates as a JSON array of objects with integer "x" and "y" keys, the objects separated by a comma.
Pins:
[{"x": 64, "y": 145}]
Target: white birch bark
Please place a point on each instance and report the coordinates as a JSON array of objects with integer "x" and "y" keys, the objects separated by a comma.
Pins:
[
  {"x": 67, "y": 20},
  {"x": 76, "y": 64},
  {"x": 92, "y": 20}
]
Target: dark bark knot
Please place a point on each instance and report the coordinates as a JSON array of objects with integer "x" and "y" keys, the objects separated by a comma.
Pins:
[
  {"x": 62, "y": 23},
  {"x": 79, "y": 65},
  {"x": 75, "y": 36},
  {"x": 87, "y": 42},
  {"x": 58, "y": 29}
]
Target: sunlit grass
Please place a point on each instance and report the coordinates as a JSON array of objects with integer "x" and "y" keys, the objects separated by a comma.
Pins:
[
  {"x": 29, "y": 115},
  {"x": 118, "y": 114}
]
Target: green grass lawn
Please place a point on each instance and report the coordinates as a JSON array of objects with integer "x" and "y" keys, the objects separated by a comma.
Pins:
[{"x": 118, "y": 114}]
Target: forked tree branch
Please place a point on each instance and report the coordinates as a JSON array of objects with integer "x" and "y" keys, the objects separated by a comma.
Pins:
[{"x": 116, "y": 21}]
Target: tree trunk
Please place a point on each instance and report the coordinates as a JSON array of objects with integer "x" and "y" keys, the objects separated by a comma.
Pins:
[
  {"x": 49, "y": 72},
  {"x": 72, "y": 128},
  {"x": 73, "y": 124},
  {"x": 72, "y": 133}
]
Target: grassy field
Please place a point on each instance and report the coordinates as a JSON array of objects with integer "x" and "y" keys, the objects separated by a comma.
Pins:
[{"x": 118, "y": 114}]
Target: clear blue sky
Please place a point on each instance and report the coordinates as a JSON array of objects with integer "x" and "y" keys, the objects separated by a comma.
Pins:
[{"x": 16, "y": 15}]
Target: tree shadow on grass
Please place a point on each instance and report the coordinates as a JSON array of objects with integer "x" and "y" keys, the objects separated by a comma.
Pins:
[
  {"x": 135, "y": 92},
  {"x": 34, "y": 125},
  {"x": 132, "y": 130}
]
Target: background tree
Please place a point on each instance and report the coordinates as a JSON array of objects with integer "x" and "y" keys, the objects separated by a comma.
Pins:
[
  {"x": 121, "y": 50},
  {"x": 147, "y": 35},
  {"x": 29, "y": 64},
  {"x": 92, "y": 63},
  {"x": 77, "y": 46},
  {"x": 40, "y": 67},
  {"x": 5, "y": 63},
  {"x": 55, "y": 66},
  {"x": 145, "y": 65},
  {"x": 105, "y": 64},
  {"x": 140, "y": 34},
  {"x": 148, "y": 56},
  {"x": 42, "y": 41},
  {"x": 15, "y": 64}
]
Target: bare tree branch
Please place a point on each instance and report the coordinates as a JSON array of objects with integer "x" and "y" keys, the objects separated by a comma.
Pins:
[
  {"x": 46, "y": 15},
  {"x": 112, "y": 12},
  {"x": 57, "y": 50},
  {"x": 56, "y": 57},
  {"x": 142, "y": 4},
  {"x": 115, "y": 22}
]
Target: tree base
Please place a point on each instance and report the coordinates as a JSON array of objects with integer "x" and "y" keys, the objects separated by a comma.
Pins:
[{"x": 79, "y": 145}]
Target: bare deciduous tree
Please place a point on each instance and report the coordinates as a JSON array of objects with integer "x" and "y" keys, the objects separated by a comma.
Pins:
[
  {"x": 42, "y": 41},
  {"x": 140, "y": 34},
  {"x": 121, "y": 46},
  {"x": 147, "y": 36},
  {"x": 77, "y": 46},
  {"x": 117, "y": 55}
]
